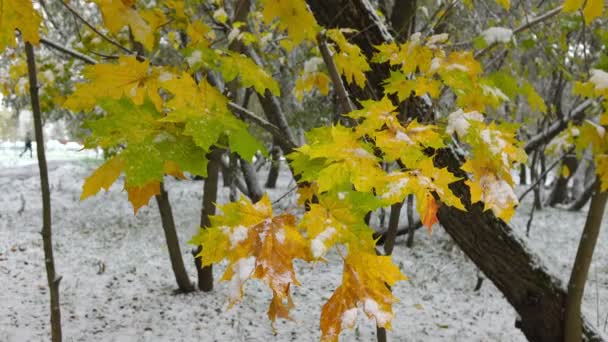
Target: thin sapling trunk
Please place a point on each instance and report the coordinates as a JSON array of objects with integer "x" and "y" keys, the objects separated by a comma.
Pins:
[
  {"x": 177, "y": 263},
  {"x": 576, "y": 286},
  {"x": 47, "y": 236}
]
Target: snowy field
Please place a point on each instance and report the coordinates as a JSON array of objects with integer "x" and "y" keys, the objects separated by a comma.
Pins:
[{"x": 118, "y": 286}]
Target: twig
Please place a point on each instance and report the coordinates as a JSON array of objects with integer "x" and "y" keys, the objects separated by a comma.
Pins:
[
  {"x": 89, "y": 25},
  {"x": 68, "y": 51}
]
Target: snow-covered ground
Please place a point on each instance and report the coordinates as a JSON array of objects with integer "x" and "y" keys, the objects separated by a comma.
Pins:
[{"x": 118, "y": 286}]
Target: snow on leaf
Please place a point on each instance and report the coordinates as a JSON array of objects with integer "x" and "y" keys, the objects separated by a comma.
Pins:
[
  {"x": 103, "y": 177},
  {"x": 458, "y": 121},
  {"x": 18, "y": 15},
  {"x": 257, "y": 245},
  {"x": 364, "y": 285},
  {"x": 497, "y": 35}
]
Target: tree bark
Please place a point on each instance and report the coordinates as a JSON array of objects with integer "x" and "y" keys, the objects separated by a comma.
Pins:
[
  {"x": 275, "y": 166},
  {"x": 205, "y": 274},
  {"x": 47, "y": 237},
  {"x": 580, "y": 270},
  {"x": 393, "y": 227},
  {"x": 559, "y": 194},
  {"x": 177, "y": 262},
  {"x": 251, "y": 179},
  {"x": 491, "y": 244}
]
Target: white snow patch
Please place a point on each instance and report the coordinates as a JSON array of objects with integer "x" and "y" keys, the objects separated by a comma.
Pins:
[
  {"x": 317, "y": 245},
  {"x": 599, "y": 78},
  {"x": 239, "y": 234},
  {"x": 348, "y": 318},
  {"x": 165, "y": 76},
  {"x": 243, "y": 268},
  {"x": 458, "y": 121},
  {"x": 280, "y": 236},
  {"x": 194, "y": 58},
  {"x": 371, "y": 307},
  {"x": 404, "y": 137},
  {"x": 497, "y": 35},
  {"x": 312, "y": 65}
]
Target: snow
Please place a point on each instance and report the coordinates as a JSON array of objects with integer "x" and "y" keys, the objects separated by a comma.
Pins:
[
  {"x": 458, "y": 121},
  {"x": 194, "y": 58},
  {"x": 349, "y": 317},
  {"x": 243, "y": 268},
  {"x": 239, "y": 234},
  {"x": 118, "y": 285},
  {"x": 312, "y": 65},
  {"x": 599, "y": 78},
  {"x": 497, "y": 35},
  {"x": 317, "y": 245},
  {"x": 371, "y": 307}
]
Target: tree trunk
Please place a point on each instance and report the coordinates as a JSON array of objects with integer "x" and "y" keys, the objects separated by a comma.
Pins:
[
  {"x": 536, "y": 296},
  {"x": 205, "y": 274},
  {"x": 583, "y": 198},
  {"x": 47, "y": 237},
  {"x": 410, "y": 221},
  {"x": 559, "y": 194},
  {"x": 580, "y": 270},
  {"x": 393, "y": 226},
  {"x": 175, "y": 254},
  {"x": 254, "y": 189},
  {"x": 275, "y": 165}
]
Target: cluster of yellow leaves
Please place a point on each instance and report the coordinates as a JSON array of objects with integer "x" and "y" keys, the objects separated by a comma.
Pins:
[
  {"x": 425, "y": 68},
  {"x": 494, "y": 150},
  {"x": 18, "y": 15},
  {"x": 143, "y": 23},
  {"x": 257, "y": 245},
  {"x": 591, "y": 8}
]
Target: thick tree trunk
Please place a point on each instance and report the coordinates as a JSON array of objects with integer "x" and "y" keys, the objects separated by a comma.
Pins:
[
  {"x": 490, "y": 243},
  {"x": 205, "y": 274},
  {"x": 580, "y": 270},
  {"x": 175, "y": 254},
  {"x": 47, "y": 236}
]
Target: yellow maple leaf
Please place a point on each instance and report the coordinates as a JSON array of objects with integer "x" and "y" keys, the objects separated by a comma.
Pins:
[
  {"x": 572, "y": 5},
  {"x": 350, "y": 60},
  {"x": 18, "y": 15},
  {"x": 364, "y": 285},
  {"x": 103, "y": 177},
  {"x": 258, "y": 245},
  {"x": 293, "y": 16},
  {"x": 120, "y": 13},
  {"x": 496, "y": 193},
  {"x": 506, "y": 4},
  {"x": 129, "y": 78},
  {"x": 139, "y": 196},
  {"x": 187, "y": 94},
  {"x": 592, "y": 10}
]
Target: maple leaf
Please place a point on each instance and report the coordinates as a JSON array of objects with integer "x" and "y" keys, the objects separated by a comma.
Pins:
[
  {"x": 103, "y": 177},
  {"x": 120, "y": 13},
  {"x": 506, "y": 4},
  {"x": 496, "y": 193},
  {"x": 139, "y": 196},
  {"x": 339, "y": 217},
  {"x": 351, "y": 62},
  {"x": 364, "y": 285},
  {"x": 592, "y": 9},
  {"x": 257, "y": 245},
  {"x": 18, "y": 15},
  {"x": 129, "y": 78},
  {"x": 293, "y": 16}
]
